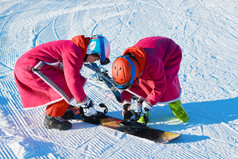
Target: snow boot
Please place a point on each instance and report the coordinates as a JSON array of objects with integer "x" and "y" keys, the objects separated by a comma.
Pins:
[
  {"x": 56, "y": 123},
  {"x": 179, "y": 111},
  {"x": 69, "y": 114}
]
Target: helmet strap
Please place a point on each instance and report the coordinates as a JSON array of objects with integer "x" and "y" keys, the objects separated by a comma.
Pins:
[
  {"x": 85, "y": 58},
  {"x": 137, "y": 80}
]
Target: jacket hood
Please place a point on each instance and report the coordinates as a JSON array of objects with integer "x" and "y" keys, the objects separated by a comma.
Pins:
[
  {"x": 139, "y": 54},
  {"x": 82, "y": 42}
]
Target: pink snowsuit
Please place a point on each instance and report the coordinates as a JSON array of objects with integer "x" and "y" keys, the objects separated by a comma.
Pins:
[
  {"x": 50, "y": 72},
  {"x": 159, "y": 82}
]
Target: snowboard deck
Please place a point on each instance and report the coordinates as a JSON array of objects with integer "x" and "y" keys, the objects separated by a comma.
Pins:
[{"x": 156, "y": 135}]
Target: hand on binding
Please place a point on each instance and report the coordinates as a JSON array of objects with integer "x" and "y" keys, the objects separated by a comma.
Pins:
[
  {"x": 86, "y": 102},
  {"x": 87, "y": 105},
  {"x": 126, "y": 106},
  {"x": 146, "y": 106}
]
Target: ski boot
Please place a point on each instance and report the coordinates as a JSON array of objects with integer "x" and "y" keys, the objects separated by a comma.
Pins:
[
  {"x": 56, "y": 123},
  {"x": 179, "y": 111}
]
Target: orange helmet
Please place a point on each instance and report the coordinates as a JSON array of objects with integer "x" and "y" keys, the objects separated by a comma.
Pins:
[{"x": 125, "y": 70}]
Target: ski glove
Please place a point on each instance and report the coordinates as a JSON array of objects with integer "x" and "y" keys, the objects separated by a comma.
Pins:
[
  {"x": 146, "y": 106},
  {"x": 86, "y": 102},
  {"x": 139, "y": 102},
  {"x": 87, "y": 105},
  {"x": 126, "y": 105}
]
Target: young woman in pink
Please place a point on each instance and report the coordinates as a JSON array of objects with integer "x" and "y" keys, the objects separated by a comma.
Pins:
[
  {"x": 150, "y": 69},
  {"x": 49, "y": 75}
]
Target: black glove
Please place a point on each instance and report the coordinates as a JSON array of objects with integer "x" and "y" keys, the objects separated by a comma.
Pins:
[{"x": 126, "y": 107}]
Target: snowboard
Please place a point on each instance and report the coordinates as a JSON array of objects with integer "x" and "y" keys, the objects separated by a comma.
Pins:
[{"x": 155, "y": 135}]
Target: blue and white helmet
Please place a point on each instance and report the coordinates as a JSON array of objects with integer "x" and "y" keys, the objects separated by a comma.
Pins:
[{"x": 99, "y": 45}]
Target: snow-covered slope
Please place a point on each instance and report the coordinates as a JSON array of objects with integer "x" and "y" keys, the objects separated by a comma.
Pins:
[{"x": 206, "y": 30}]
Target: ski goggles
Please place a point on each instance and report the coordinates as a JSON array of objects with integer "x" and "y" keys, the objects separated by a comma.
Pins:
[{"x": 100, "y": 49}]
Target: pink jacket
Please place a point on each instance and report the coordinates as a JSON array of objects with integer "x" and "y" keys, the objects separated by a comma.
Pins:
[
  {"x": 51, "y": 72},
  {"x": 159, "y": 82}
]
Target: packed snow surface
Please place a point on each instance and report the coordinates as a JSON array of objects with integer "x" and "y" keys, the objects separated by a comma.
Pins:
[{"x": 207, "y": 32}]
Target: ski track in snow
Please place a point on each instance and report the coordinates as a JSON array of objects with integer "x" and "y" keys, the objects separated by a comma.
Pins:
[{"x": 207, "y": 34}]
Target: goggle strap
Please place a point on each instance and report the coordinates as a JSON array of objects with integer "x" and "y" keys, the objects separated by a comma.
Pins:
[
  {"x": 102, "y": 56},
  {"x": 132, "y": 68}
]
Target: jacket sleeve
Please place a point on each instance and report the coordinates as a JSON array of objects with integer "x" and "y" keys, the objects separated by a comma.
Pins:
[
  {"x": 158, "y": 76},
  {"x": 126, "y": 96},
  {"x": 72, "y": 62}
]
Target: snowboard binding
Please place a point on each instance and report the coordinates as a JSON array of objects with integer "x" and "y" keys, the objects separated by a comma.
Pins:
[
  {"x": 78, "y": 113},
  {"x": 130, "y": 124},
  {"x": 95, "y": 118}
]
